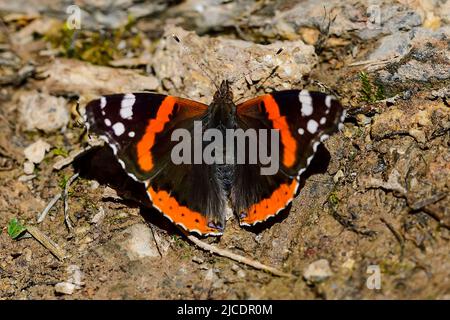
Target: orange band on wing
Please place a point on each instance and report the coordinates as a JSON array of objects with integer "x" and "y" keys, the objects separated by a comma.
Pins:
[
  {"x": 280, "y": 123},
  {"x": 181, "y": 215},
  {"x": 269, "y": 207},
  {"x": 154, "y": 126}
]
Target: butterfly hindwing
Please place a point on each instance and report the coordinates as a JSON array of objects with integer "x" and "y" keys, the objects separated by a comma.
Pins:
[
  {"x": 304, "y": 119},
  {"x": 138, "y": 127}
]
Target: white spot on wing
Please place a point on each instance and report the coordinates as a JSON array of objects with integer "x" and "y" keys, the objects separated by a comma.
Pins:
[
  {"x": 323, "y": 120},
  {"x": 328, "y": 101},
  {"x": 131, "y": 134},
  {"x": 102, "y": 102},
  {"x": 301, "y": 131},
  {"x": 306, "y": 101},
  {"x": 118, "y": 128},
  {"x": 108, "y": 122},
  {"x": 126, "y": 106},
  {"x": 312, "y": 126},
  {"x": 324, "y": 137},
  {"x": 315, "y": 145}
]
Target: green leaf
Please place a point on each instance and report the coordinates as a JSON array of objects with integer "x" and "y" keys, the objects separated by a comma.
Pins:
[{"x": 15, "y": 228}]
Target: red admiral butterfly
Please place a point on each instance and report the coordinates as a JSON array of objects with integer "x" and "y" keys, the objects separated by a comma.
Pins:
[{"x": 139, "y": 127}]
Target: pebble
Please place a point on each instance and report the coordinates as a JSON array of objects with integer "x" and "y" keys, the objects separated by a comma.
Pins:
[
  {"x": 65, "y": 288},
  {"x": 99, "y": 216},
  {"x": 318, "y": 271},
  {"x": 338, "y": 175},
  {"x": 28, "y": 167},
  {"x": 197, "y": 260},
  {"x": 140, "y": 243},
  {"x": 35, "y": 152},
  {"x": 41, "y": 111}
]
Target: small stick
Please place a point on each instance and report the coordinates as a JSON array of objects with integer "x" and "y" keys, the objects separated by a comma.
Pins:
[
  {"x": 73, "y": 155},
  {"x": 156, "y": 241},
  {"x": 225, "y": 253},
  {"x": 66, "y": 204},
  {"x": 397, "y": 236},
  {"x": 56, "y": 250},
  {"x": 48, "y": 207}
]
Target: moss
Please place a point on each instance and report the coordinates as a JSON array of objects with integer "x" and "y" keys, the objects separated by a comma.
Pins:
[
  {"x": 333, "y": 199},
  {"x": 370, "y": 91},
  {"x": 97, "y": 47}
]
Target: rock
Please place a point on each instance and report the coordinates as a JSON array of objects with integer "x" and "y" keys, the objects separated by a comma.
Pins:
[
  {"x": 99, "y": 216},
  {"x": 240, "y": 62},
  {"x": 197, "y": 260},
  {"x": 41, "y": 111},
  {"x": 65, "y": 288},
  {"x": 391, "y": 46},
  {"x": 408, "y": 118},
  {"x": 318, "y": 271},
  {"x": 28, "y": 254},
  {"x": 349, "y": 264},
  {"x": 338, "y": 175},
  {"x": 241, "y": 274},
  {"x": 393, "y": 18},
  {"x": 28, "y": 167},
  {"x": 26, "y": 178},
  {"x": 35, "y": 152},
  {"x": 208, "y": 15},
  {"x": 422, "y": 56},
  {"x": 140, "y": 243},
  {"x": 69, "y": 76}
]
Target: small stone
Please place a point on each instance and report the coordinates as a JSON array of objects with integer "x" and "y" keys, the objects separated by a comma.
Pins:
[
  {"x": 197, "y": 260},
  {"x": 110, "y": 193},
  {"x": 349, "y": 264},
  {"x": 99, "y": 216},
  {"x": 209, "y": 276},
  {"x": 318, "y": 271},
  {"x": 241, "y": 274},
  {"x": 363, "y": 119},
  {"x": 28, "y": 254},
  {"x": 26, "y": 178},
  {"x": 338, "y": 175},
  {"x": 28, "y": 167},
  {"x": 35, "y": 152},
  {"x": 419, "y": 135},
  {"x": 94, "y": 185},
  {"x": 65, "y": 288},
  {"x": 41, "y": 111},
  {"x": 140, "y": 243}
]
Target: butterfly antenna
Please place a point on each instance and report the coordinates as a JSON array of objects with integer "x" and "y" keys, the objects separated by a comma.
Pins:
[{"x": 201, "y": 64}]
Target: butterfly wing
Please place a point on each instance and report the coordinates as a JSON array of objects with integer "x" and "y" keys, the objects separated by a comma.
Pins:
[
  {"x": 304, "y": 120},
  {"x": 138, "y": 127}
]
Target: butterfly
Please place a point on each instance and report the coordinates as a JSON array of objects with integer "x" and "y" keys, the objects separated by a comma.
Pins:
[{"x": 140, "y": 129}]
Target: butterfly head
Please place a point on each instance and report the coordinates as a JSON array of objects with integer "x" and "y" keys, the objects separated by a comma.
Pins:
[
  {"x": 224, "y": 92},
  {"x": 222, "y": 109}
]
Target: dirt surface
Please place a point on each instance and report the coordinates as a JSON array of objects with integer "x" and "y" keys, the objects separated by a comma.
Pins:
[{"x": 375, "y": 200}]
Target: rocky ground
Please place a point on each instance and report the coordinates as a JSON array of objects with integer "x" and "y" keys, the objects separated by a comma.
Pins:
[{"x": 379, "y": 206}]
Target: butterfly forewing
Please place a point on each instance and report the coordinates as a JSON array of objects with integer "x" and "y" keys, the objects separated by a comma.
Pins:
[{"x": 138, "y": 128}]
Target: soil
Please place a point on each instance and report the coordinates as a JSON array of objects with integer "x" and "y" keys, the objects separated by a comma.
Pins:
[{"x": 376, "y": 196}]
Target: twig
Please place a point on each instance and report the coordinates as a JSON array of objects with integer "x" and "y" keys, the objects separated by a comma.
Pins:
[
  {"x": 397, "y": 236},
  {"x": 75, "y": 154},
  {"x": 156, "y": 241},
  {"x": 374, "y": 62},
  {"x": 56, "y": 250},
  {"x": 224, "y": 253},
  {"x": 48, "y": 207},
  {"x": 66, "y": 204}
]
